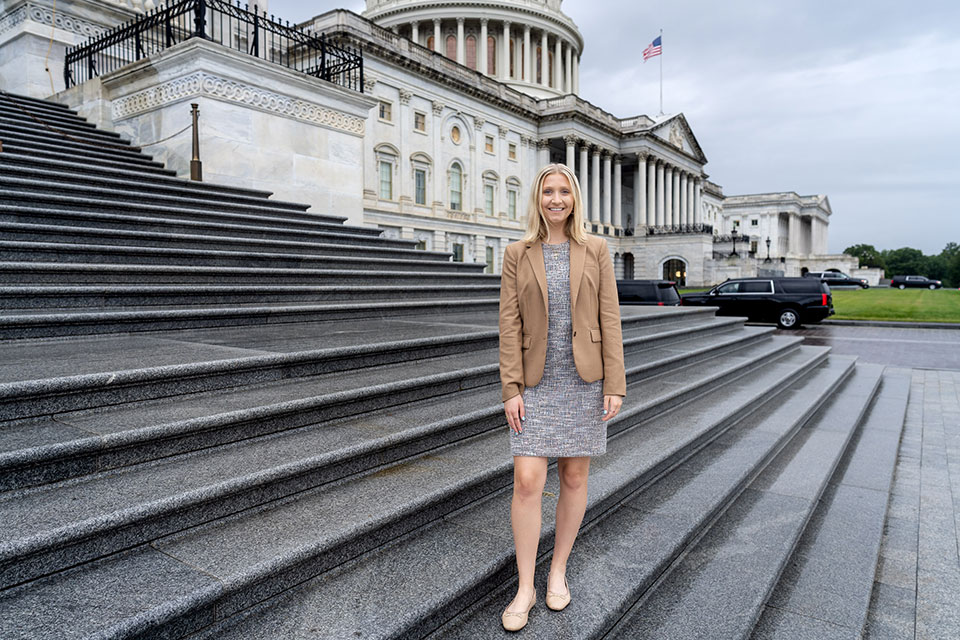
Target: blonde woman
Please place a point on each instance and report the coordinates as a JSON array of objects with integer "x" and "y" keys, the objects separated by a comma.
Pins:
[{"x": 561, "y": 371}]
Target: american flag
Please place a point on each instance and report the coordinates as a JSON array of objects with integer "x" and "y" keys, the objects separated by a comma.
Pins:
[{"x": 653, "y": 49}]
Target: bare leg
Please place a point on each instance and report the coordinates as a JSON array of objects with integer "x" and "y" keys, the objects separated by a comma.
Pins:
[
  {"x": 529, "y": 477},
  {"x": 570, "y": 510}
]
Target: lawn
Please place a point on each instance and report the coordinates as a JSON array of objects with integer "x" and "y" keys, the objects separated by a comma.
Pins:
[{"x": 883, "y": 303}]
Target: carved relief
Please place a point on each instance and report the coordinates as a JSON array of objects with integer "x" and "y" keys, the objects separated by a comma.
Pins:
[
  {"x": 405, "y": 96},
  {"x": 676, "y": 137},
  {"x": 438, "y": 108}
]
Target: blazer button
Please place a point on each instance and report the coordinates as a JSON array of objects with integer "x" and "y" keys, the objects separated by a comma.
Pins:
[{"x": 574, "y": 334}]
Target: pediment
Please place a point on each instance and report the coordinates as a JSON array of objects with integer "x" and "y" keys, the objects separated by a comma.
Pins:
[{"x": 675, "y": 132}]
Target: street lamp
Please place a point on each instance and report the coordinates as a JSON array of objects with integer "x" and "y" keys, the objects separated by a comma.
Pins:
[
  {"x": 734, "y": 253},
  {"x": 768, "y": 249}
]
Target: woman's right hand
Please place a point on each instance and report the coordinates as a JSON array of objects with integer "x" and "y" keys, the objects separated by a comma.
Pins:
[{"x": 515, "y": 413}]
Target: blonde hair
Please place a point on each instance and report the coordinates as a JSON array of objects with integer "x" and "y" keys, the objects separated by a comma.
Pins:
[{"x": 537, "y": 227}]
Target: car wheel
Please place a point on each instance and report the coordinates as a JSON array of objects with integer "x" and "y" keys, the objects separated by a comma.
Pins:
[
  {"x": 788, "y": 319},
  {"x": 902, "y": 286},
  {"x": 866, "y": 286},
  {"x": 932, "y": 287}
]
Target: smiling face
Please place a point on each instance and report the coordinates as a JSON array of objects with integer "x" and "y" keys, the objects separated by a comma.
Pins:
[{"x": 556, "y": 200}]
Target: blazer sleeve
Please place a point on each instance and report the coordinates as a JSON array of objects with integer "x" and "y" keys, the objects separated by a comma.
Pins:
[
  {"x": 614, "y": 375},
  {"x": 511, "y": 328}
]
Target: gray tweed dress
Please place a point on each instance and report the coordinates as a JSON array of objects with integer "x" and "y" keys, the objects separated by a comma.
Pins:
[{"x": 563, "y": 413}]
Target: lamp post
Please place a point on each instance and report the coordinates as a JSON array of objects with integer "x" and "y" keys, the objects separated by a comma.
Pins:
[
  {"x": 768, "y": 249},
  {"x": 734, "y": 254}
]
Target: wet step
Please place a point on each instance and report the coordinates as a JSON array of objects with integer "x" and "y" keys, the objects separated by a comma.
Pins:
[
  {"x": 718, "y": 589},
  {"x": 24, "y": 152},
  {"x": 263, "y": 552},
  {"x": 825, "y": 589},
  {"x": 76, "y": 151}
]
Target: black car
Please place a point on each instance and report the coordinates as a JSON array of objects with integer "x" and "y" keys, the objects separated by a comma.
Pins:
[
  {"x": 790, "y": 302},
  {"x": 652, "y": 292},
  {"x": 902, "y": 282},
  {"x": 838, "y": 279}
]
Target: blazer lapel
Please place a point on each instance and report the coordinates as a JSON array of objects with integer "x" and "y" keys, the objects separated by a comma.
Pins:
[
  {"x": 578, "y": 254},
  {"x": 535, "y": 256}
]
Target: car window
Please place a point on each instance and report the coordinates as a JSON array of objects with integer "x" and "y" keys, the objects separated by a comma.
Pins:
[
  {"x": 728, "y": 288},
  {"x": 831, "y": 274},
  {"x": 756, "y": 286}
]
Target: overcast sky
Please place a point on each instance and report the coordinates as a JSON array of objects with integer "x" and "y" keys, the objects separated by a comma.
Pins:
[{"x": 855, "y": 99}]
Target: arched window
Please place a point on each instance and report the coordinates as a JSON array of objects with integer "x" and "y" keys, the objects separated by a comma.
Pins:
[
  {"x": 512, "y": 59},
  {"x": 452, "y": 47},
  {"x": 491, "y": 55},
  {"x": 550, "y": 77},
  {"x": 472, "y": 52},
  {"x": 537, "y": 74},
  {"x": 430, "y": 43},
  {"x": 456, "y": 187}
]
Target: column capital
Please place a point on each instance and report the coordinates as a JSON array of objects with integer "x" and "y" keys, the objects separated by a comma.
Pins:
[
  {"x": 617, "y": 158},
  {"x": 543, "y": 143},
  {"x": 484, "y": 21},
  {"x": 438, "y": 107},
  {"x": 507, "y": 24},
  {"x": 571, "y": 139},
  {"x": 478, "y": 123},
  {"x": 526, "y": 29},
  {"x": 596, "y": 149},
  {"x": 503, "y": 131},
  {"x": 405, "y": 97},
  {"x": 643, "y": 156},
  {"x": 460, "y": 20},
  {"x": 436, "y": 22}
]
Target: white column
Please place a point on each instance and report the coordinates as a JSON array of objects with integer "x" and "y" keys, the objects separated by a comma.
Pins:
[
  {"x": 527, "y": 57},
  {"x": 544, "y": 56},
  {"x": 567, "y": 70},
  {"x": 544, "y": 157},
  {"x": 683, "y": 198},
  {"x": 690, "y": 185},
  {"x": 698, "y": 202},
  {"x": 483, "y": 47},
  {"x": 617, "y": 192},
  {"x": 584, "y": 179},
  {"x": 436, "y": 36},
  {"x": 461, "y": 44},
  {"x": 651, "y": 191},
  {"x": 415, "y": 31},
  {"x": 557, "y": 65},
  {"x": 668, "y": 196},
  {"x": 676, "y": 197},
  {"x": 661, "y": 195},
  {"x": 607, "y": 189},
  {"x": 571, "y": 151},
  {"x": 576, "y": 72},
  {"x": 595, "y": 186},
  {"x": 505, "y": 56},
  {"x": 640, "y": 191}
]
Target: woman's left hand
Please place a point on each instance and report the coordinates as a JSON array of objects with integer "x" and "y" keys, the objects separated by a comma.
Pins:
[{"x": 611, "y": 406}]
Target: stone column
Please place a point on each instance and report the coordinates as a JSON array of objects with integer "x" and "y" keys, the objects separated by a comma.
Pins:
[
  {"x": 544, "y": 59},
  {"x": 461, "y": 43},
  {"x": 584, "y": 179},
  {"x": 595, "y": 185},
  {"x": 676, "y": 197},
  {"x": 605, "y": 216},
  {"x": 698, "y": 202},
  {"x": 567, "y": 70},
  {"x": 557, "y": 65},
  {"x": 683, "y": 199},
  {"x": 482, "y": 66},
  {"x": 640, "y": 191},
  {"x": 439, "y": 171},
  {"x": 690, "y": 188},
  {"x": 436, "y": 36},
  {"x": 415, "y": 31},
  {"x": 668, "y": 196},
  {"x": 527, "y": 57},
  {"x": 543, "y": 146},
  {"x": 576, "y": 72},
  {"x": 617, "y": 192},
  {"x": 652, "y": 192},
  {"x": 505, "y": 57},
  {"x": 661, "y": 196},
  {"x": 571, "y": 151}
]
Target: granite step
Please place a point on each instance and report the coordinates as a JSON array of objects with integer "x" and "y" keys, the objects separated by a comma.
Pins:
[
  {"x": 71, "y": 132},
  {"x": 244, "y": 228},
  {"x": 825, "y": 590},
  {"x": 327, "y": 245},
  {"x": 727, "y": 577},
  {"x": 54, "y": 118},
  {"x": 35, "y": 103},
  {"x": 260, "y": 553},
  {"x": 26, "y": 143},
  {"x": 25, "y": 154}
]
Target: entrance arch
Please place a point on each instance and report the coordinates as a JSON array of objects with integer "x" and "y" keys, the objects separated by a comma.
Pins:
[
  {"x": 675, "y": 269},
  {"x": 628, "y": 266}
]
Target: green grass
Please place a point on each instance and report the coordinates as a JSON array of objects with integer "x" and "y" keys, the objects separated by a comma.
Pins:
[{"x": 910, "y": 305}]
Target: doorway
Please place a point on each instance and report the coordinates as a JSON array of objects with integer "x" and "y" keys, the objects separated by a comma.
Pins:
[{"x": 675, "y": 269}]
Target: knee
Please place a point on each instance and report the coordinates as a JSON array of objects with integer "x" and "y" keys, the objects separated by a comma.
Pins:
[
  {"x": 573, "y": 479},
  {"x": 528, "y": 485}
]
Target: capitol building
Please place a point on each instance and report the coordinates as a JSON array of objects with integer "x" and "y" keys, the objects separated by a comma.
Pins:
[{"x": 461, "y": 103}]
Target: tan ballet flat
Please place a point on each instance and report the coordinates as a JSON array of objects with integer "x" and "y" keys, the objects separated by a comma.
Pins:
[
  {"x": 556, "y": 601},
  {"x": 514, "y": 621}
]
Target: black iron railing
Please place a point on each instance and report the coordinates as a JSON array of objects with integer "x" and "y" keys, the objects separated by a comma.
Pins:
[
  {"x": 231, "y": 25},
  {"x": 680, "y": 228}
]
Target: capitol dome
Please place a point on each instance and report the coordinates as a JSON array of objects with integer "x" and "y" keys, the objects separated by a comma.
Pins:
[{"x": 504, "y": 39}]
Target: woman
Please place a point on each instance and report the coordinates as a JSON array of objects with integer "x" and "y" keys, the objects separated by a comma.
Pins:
[{"x": 561, "y": 371}]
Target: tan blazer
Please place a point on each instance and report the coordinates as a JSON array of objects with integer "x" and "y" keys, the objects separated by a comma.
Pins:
[{"x": 597, "y": 341}]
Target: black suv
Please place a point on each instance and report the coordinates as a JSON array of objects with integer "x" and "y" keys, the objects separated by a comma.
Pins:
[
  {"x": 902, "y": 282},
  {"x": 838, "y": 279},
  {"x": 655, "y": 292},
  {"x": 789, "y": 302}
]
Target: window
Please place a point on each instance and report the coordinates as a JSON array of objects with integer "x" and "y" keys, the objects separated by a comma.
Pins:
[
  {"x": 386, "y": 180},
  {"x": 512, "y": 151},
  {"x": 421, "y": 245},
  {"x": 512, "y": 204},
  {"x": 728, "y": 288},
  {"x": 754, "y": 222},
  {"x": 489, "y": 268},
  {"x": 456, "y": 187},
  {"x": 753, "y": 246},
  {"x": 488, "y": 199},
  {"x": 452, "y": 47},
  {"x": 491, "y": 56},
  {"x": 488, "y": 144},
  {"x": 386, "y": 111},
  {"x": 420, "y": 186},
  {"x": 455, "y": 134},
  {"x": 756, "y": 286},
  {"x": 420, "y": 121},
  {"x": 472, "y": 52},
  {"x": 430, "y": 43},
  {"x": 512, "y": 74},
  {"x": 550, "y": 71},
  {"x": 538, "y": 71},
  {"x": 457, "y": 249}
]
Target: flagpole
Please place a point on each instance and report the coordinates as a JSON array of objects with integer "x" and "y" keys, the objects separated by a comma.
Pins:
[{"x": 661, "y": 71}]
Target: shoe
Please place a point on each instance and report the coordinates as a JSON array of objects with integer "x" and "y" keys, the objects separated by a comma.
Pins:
[
  {"x": 514, "y": 621},
  {"x": 556, "y": 601}
]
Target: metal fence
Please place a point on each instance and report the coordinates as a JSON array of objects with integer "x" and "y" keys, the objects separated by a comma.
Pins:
[{"x": 238, "y": 27}]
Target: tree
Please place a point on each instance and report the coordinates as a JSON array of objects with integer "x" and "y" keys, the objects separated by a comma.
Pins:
[
  {"x": 867, "y": 254},
  {"x": 951, "y": 260},
  {"x": 905, "y": 261}
]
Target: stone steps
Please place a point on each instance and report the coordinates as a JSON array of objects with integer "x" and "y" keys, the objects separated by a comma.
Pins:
[
  {"x": 251, "y": 568},
  {"x": 74, "y": 133},
  {"x": 35, "y": 145},
  {"x": 35, "y": 103},
  {"x": 52, "y": 117}
]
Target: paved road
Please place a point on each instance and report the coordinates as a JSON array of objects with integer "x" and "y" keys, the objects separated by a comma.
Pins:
[{"x": 915, "y": 348}]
